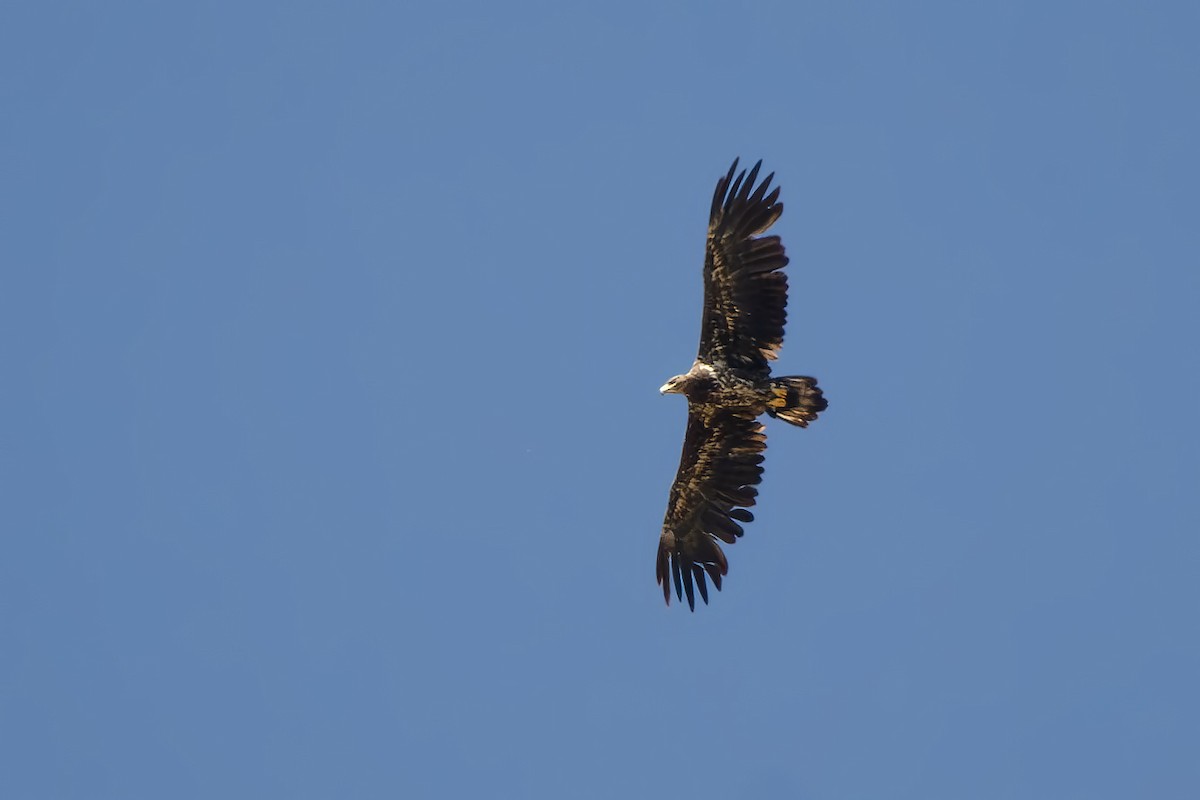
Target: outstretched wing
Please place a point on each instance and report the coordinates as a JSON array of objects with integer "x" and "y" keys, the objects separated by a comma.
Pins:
[
  {"x": 745, "y": 294},
  {"x": 719, "y": 468}
]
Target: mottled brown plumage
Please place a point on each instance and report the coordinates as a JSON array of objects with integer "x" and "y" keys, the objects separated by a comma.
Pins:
[{"x": 729, "y": 386}]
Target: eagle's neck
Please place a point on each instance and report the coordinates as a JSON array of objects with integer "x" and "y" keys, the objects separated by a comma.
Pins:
[{"x": 700, "y": 372}]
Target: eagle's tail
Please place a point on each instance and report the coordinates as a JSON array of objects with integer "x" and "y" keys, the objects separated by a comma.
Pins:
[{"x": 797, "y": 400}]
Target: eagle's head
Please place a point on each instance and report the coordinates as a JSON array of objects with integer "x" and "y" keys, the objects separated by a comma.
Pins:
[
  {"x": 696, "y": 381},
  {"x": 674, "y": 386}
]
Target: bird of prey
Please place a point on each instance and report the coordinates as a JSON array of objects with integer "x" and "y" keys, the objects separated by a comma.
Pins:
[{"x": 730, "y": 386}]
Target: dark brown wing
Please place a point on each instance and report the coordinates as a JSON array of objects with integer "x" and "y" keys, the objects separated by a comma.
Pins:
[
  {"x": 720, "y": 465},
  {"x": 745, "y": 294}
]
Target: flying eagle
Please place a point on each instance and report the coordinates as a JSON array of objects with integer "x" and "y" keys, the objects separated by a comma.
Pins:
[{"x": 730, "y": 386}]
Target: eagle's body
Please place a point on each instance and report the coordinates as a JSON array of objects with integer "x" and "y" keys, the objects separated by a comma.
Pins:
[
  {"x": 711, "y": 389},
  {"x": 729, "y": 386}
]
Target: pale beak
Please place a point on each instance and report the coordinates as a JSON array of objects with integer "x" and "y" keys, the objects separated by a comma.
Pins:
[{"x": 665, "y": 388}]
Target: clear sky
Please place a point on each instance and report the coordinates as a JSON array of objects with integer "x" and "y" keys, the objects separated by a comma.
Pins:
[{"x": 333, "y": 464}]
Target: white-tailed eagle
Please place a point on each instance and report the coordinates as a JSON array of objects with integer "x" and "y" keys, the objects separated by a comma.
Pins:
[{"x": 730, "y": 386}]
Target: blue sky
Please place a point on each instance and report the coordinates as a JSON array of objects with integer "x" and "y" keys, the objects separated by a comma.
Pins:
[{"x": 333, "y": 461}]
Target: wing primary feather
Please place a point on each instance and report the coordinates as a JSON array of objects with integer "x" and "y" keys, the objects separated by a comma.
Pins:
[
  {"x": 744, "y": 194},
  {"x": 675, "y": 571},
  {"x": 722, "y": 188},
  {"x": 661, "y": 567},
  {"x": 757, "y": 197},
  {"x": 699, "y": 571},
  {"x": 687, "y": 585},
  {"x": 714, "y": 573},
  {"x": 736, "y": 188}
]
